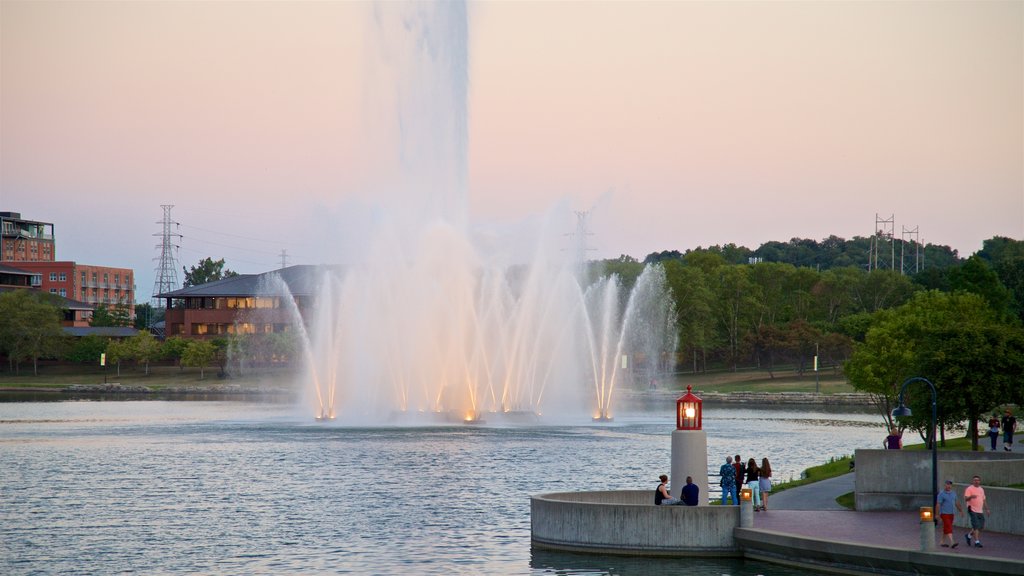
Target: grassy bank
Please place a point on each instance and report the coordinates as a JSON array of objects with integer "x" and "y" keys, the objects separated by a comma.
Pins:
[
  {"x": 761, "y": 381},
  {"x": 159, "y": 377}
]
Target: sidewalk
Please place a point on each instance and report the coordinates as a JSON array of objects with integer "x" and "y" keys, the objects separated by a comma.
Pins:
[{"x": 810, "y": 512}]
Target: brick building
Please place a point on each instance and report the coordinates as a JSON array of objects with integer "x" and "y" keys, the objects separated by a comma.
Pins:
[
  {"x": 25, "y": 240},
  {"x": 30, "y": 245},
  {"x": 243, "y": 304},
  {"x": 90, "y": 284}
]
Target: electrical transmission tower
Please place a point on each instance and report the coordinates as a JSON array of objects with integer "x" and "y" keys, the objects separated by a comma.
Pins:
[
  {"x": 912, "y": 234},
  {"x": 882, "y": 235},
  {"x": 580, "y": 237},
  {"x": 284, "y": 259},
  {"x": 167, "y": 267}
]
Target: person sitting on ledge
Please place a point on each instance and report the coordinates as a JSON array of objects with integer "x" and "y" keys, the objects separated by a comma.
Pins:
[
  {"x": 690, "y": 492},
  {"x": 661, "y": 497}
]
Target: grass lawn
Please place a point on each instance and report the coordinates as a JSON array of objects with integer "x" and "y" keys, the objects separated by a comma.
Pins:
[{"x": 834, "y": 467}]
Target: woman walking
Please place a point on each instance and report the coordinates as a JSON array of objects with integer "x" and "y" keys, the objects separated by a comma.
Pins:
[
  {"x": 766, "y": 483},
  {"x": 754, "y": 483}
]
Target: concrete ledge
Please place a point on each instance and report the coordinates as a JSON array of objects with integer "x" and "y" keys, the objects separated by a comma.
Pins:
[
  {"x": 628, "y": 522},
  {"x": 842, "y": 557}
]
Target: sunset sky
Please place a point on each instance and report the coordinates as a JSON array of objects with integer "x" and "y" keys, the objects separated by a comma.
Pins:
[{"x": 679, "y": 124}]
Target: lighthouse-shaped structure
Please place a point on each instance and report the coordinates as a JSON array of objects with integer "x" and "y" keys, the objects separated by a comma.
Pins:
[{"x": 689, "y": 446}]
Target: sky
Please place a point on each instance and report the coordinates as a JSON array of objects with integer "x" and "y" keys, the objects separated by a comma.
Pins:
[{"x": 676, "y": 124}]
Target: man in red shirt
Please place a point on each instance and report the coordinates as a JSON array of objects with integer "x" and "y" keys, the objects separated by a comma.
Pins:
[{"x": 977, "y": 508}]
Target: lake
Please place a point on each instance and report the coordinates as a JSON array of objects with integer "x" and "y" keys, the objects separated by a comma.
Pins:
[{"x": 97, "y": 487}]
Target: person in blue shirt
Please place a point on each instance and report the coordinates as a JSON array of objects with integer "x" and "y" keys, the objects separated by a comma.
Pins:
[
  {"x": 690, "y": 492},
  {"x": 947, "y": 505},
  {"x": 728, "y": 482}
]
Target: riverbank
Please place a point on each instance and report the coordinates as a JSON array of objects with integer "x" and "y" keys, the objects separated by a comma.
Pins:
[{"x": 753, "y": 397}]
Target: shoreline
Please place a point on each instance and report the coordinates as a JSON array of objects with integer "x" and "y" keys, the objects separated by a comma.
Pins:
[{"x": 642, "y": 396}]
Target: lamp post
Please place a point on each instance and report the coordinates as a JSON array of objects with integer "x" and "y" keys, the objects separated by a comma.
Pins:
[{"x": 903, "y": 410}]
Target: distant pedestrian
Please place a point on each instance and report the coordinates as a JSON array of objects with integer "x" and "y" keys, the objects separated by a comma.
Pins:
[
  {"x": 737, "y": 464},
  {"x": 893, "y": 441},
  {"x": 1009, "y": 425},
  {"x": 977, "y": 509},
  {"x": 946, "y": 506},
  {"x": 691, "y": 493},
  {"x": 754, "y": 483},
  {"x": 993, "y": 430},
  {"x": 661, "y": 495},
  {"x": 728, "y": 482},
  {"x": 766, "y": 483}
]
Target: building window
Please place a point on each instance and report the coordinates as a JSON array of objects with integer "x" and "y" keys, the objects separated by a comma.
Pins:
[
  {"x": 83, "y": 278},
  {"x": 53, "y": 276},
  {"x": 53, "y": 290},
  {"x": 63, "y": 293},
  {"x": 63, "y": 277},
  {"x": 93, "y": 276}
]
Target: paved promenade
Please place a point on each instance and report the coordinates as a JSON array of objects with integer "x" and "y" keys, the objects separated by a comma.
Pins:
[{"x": 810, "y": 512}]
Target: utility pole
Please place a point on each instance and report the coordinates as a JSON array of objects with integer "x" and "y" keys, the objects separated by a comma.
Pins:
[{"x": 284, "y": 258}]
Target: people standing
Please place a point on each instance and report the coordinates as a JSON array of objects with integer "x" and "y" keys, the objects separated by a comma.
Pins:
[
  {"x": 728, "y": 482},
  {"x": 737, "y": 464},
  {"x": 691, "y": 493},
  {"x": 993, "y": 430},
  {"x": 754, "y": 483},
  {"x": 661, "y": 495},
  {"x": 1009, "y": 425},
  {"x": 977, "y": 509},
  {"x": 766, "y": 483},
  {"x": 946, "y": 506}
]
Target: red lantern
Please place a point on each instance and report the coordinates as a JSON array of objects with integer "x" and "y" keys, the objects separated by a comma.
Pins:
[{"x": 688, "y": 411}]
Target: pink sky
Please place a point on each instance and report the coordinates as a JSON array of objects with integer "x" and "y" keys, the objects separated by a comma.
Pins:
[{"x": 679, "y": 123}]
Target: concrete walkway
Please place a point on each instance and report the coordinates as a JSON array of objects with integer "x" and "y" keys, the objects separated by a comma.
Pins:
[
  {"x": 809, "y": 513},
  {"x": 815, "y": 496}
]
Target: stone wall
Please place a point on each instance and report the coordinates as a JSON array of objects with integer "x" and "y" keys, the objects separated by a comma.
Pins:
[{"x": 628, "y": 522}]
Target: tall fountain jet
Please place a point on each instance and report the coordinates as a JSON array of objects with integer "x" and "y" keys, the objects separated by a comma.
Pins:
[{"x": 440, "y": 320}]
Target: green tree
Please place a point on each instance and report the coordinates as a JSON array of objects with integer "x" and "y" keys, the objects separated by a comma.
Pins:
[
  {"x": 146, "y": 348},
  {"x": 957, "y": 342},
  {"x": 207, "y": 270},
  {"x": 199, "y": 354},
  {"x": 119, "y": 350},
  {"x": 116, "y": 315},
  {"x": 87, "y": 349},
  {"x": 147, "y": 316},
  {"x": 693, "y": 299},
  {"x": 30, "y": 328},
  {"x": 975, "y": 275},
  {"x": 174, "y": 349}
]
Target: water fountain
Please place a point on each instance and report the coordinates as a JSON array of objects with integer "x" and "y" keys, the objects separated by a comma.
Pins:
[{"x": 436, "y": 323}]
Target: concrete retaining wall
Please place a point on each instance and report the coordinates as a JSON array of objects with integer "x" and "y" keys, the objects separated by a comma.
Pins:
[
  {"x": 628, "y": 522},
  {"x": 902, "y": 480}
]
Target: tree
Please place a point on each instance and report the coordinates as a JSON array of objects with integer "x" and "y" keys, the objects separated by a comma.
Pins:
[
  {"x": 147, "y": 316},
  {"x": 117, "y": 315},
  {"x": 30, "y": 327},
  {"x": 87, "y": 349},
  {"x": 146, "y": 348},
  {"x": 199, "y": 354},
  {"x": 956, "y": 341},
  {"x": 208, "y": 270},
  {"x": 174, "y": 349},
  {"x": 975, "y": 275},
  {"x": 118, "y": 351}
]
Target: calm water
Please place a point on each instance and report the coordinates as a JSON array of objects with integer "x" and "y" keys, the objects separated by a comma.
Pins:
[{"x": 235, "y": 487}]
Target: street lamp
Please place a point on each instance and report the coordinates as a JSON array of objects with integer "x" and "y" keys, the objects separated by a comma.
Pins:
[{"x": 904, "y": 410}]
